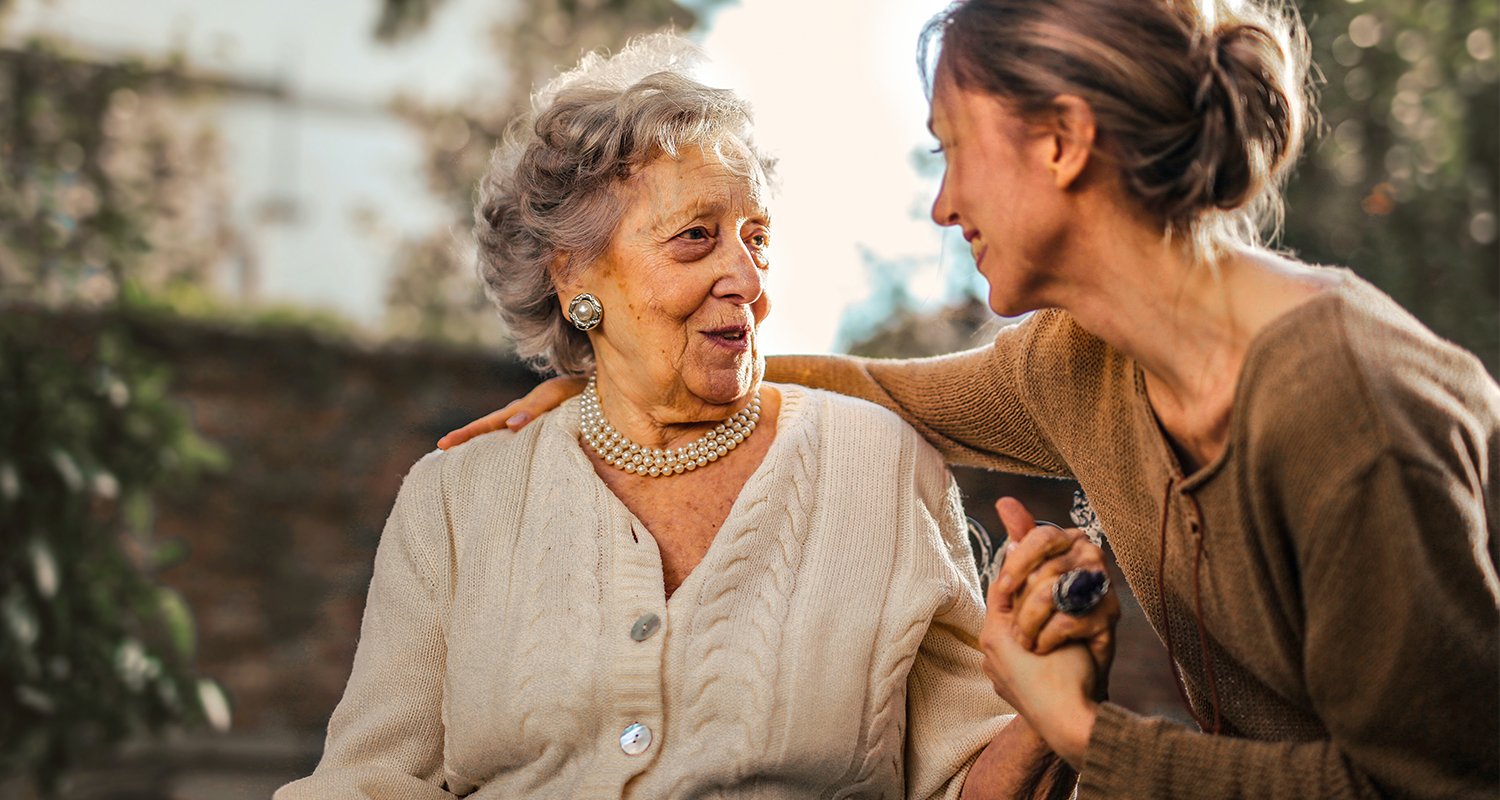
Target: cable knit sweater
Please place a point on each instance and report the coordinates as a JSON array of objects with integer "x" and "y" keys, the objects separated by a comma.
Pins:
[
  {"x": 818, "y": 650},
  {"x": 1340, "y": 554}
]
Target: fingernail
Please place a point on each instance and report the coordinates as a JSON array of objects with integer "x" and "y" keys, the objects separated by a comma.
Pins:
[{"x": 515, "y": 422}]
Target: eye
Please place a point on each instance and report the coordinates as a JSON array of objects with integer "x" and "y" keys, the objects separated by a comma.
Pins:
[
  {"x": 697, "y": 234},
  {"x": 759, "y": 242}
]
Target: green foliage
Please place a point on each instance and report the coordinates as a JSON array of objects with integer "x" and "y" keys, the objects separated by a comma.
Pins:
[
  {"x": 1402, "y": 186},
  {"x": 92, "y": 183},
  {"x": 197, "y": 301},
  {"x": 91, "y": 650}
]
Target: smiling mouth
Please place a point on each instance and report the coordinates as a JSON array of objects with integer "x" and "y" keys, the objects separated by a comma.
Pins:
[{"x": 736, "y": 337}]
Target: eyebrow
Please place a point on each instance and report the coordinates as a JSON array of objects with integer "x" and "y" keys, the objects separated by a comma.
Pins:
[{"x": 668, "y": 217}]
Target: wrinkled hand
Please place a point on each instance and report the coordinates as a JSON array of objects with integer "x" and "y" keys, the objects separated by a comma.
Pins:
[
  {"x": 1050, "y": 691},
  {"x": 549, "y": 394},
  {"x": 1036, "y": 557}
]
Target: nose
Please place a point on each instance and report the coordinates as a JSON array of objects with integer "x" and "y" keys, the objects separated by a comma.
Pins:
[
  {"x": 743, "y": 279},
  {"x": 943, "y": 212}
]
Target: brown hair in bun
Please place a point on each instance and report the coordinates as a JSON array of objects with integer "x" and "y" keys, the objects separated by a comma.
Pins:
[{"x": 1202, "y": 106}]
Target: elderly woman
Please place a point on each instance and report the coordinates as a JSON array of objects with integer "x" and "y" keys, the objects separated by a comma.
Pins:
[{"x": 685, "y": 582}]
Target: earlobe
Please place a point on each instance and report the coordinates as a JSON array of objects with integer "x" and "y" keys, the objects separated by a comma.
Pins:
[
  {"x": 1073, "y": 139},
  {"x": 585, "y": 311},
  {"x": 580, "y": 307}
]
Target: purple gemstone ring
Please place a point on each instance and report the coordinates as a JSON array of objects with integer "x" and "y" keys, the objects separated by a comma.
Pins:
[{"x": 1078, "y": 591}]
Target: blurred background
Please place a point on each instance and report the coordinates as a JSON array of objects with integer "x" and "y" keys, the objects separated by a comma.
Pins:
[{"x": 237, "y": 302}]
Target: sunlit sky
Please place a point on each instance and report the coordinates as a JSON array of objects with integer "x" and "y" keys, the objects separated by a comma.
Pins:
[{"x": 834, "y": 85}]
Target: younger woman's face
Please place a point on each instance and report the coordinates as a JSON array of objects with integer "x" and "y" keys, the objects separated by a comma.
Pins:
[{"x": 998, "y": 190}]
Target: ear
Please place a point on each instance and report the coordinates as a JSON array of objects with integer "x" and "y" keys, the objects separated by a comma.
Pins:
[
  {"x": 565, "y": 279},
  {"x": 1073, "y": 138}
]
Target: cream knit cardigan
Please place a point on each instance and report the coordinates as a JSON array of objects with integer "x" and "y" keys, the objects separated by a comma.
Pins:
[{"x": 816, "y": 651}]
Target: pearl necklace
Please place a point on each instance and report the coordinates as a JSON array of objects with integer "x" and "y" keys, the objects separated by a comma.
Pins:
[{"x": 618, "y": 451}]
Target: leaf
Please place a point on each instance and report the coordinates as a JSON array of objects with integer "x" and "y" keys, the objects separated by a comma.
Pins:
[{"x": 178, "y": 620}]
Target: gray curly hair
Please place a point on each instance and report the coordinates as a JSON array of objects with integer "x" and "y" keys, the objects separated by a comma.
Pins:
[{"x": 554, "y": 184}]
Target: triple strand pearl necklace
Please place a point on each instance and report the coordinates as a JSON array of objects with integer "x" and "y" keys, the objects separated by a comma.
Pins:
[{"x": 618, "y": 451}]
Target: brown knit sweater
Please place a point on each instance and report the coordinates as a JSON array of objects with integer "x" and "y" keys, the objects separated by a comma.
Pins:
[{"x": 1340, "y": 555}]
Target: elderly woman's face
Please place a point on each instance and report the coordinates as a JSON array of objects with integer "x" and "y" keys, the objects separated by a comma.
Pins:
[{"x": 683, "y": 284}]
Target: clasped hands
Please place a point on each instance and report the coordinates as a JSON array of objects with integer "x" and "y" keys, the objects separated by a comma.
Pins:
[{"x": 1051, "y": 667}]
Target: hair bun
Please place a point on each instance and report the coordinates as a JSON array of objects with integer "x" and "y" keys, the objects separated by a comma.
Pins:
[{"x": 1248, "y": 103}]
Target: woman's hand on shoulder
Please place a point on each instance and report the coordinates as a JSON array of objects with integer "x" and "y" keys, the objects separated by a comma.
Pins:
[
  {"x": 548, "y": 394},
  {"x": 1036, "y": 558}
]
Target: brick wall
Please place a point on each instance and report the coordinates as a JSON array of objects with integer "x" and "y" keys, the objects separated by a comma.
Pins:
[{"x": 281, "y": 545}]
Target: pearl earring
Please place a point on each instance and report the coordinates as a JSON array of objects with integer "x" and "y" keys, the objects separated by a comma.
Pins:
[{"x": 585, "y": 312}]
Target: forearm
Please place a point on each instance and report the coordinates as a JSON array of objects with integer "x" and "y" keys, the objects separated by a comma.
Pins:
[
  {"x": 1017, "y": 763},
  {"x": 967, "y": 405},
  {"x": 835, "y": 373},
  {"x": 1132, "y": 756}
]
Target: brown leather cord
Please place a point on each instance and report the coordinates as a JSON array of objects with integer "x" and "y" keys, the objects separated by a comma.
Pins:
[
  {"x": 1166, "y": 620},
  {"x": 1208, "y": 663}
]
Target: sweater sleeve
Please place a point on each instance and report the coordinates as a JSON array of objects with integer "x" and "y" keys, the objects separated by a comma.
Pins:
[
  {"x": 952, "y": 710},
  {"x": 968, "y": 405},
  {"x": 1401, "y": 652},
  {"x": 385, "y": 740}
]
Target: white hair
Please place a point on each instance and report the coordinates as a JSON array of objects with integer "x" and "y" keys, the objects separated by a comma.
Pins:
[{"x": 553, "y": 184}]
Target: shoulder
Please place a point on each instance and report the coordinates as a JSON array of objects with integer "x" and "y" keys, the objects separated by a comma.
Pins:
[
  {"x": 425, "y": 476},
  {"x": 841, "y": 412},
  {"x": 1352, "y": 373},
  {"x": 489, "y": 459},
  {"x": 1404, "y": 365},
  {"x": 867, "y": 444},
  {"x": 504, "y": 447},
  {"x": 451, "y": 501},
  {"x": 879, "y": 480},
  {"x": 1055, "y": 336},
  {"x": 853, "y": 429},
  {"x": 1074, "y": 382}
]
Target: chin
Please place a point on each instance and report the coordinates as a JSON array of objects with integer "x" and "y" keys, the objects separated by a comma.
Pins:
[
  {"x": 728, "y": 384},
  {"x": 1011, "y": 301},
  {"x": 1006, "y": 306}
]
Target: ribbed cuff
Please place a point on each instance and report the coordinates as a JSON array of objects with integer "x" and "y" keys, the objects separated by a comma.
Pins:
[{"x": 1112, "y": 752}]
